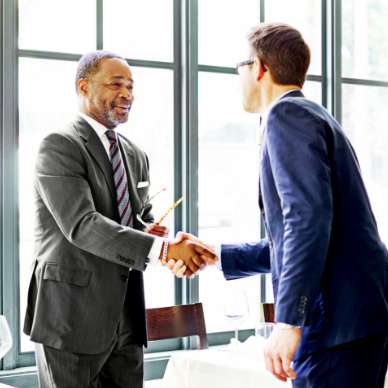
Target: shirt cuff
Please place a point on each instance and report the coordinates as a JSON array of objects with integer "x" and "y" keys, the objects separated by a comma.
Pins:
[
  {"x": 217, "y": 249},
  {"x": 155, "y": 250},
  {"x": 282, "y": 325}
]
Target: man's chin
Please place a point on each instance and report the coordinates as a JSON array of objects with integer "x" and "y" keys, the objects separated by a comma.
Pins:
[
  {"x": 249, "y": 108},
  {"x": 118, "y": 119}
]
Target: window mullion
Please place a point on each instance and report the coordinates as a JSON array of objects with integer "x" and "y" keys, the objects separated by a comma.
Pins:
[
  {"x": 190, "y": 135},
  {"x": 333, "y": 65},
  {"x": 99, "y": 24},
  {"x": 10, "y": 255}
]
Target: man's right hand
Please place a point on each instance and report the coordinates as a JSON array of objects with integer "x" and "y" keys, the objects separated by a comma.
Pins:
[
  {"x": 193, "y": 254},
  {"x": 204, "y": 255}
]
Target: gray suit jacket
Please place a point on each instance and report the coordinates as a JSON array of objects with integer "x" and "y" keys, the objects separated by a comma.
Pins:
[{"x": 88, "y": 268}]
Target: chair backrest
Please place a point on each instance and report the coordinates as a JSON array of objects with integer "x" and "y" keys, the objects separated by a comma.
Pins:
[
  {"x": 269, "y": 312},
  {"x": 177, "y": 321}
]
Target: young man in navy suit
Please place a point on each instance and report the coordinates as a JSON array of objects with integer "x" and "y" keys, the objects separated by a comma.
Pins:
[{"x": 329, "y": 267}]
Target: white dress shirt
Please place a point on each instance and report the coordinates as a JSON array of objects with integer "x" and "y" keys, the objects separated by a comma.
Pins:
[{"x": 100, "y": 129}]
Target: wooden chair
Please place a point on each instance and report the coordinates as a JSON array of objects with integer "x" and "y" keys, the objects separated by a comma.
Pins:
[
  {"x": 177, "y": 321},
  {"x": 269, "y": 312}
]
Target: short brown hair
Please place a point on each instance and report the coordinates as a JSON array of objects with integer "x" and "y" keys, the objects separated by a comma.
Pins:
[{"x": 282, "y": 49}]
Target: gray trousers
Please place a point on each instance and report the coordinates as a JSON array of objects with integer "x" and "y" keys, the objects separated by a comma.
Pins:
[{"x": 120, "y": 366}]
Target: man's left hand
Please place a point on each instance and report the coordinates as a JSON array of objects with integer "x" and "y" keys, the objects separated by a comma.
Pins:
[
  {"x": 280, "y": 350},
  {"x": 158, "y": 230}
]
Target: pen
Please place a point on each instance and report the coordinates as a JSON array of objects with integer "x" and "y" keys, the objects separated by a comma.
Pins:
[
  {"x": 172, "y": 207},
  {"x": 152, "y": 197}
]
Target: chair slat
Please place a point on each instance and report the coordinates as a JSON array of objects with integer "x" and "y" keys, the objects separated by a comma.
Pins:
[{"x": 177, "y": 321}]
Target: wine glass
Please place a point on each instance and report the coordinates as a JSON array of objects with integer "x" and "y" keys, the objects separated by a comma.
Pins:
[
  {"x": 5, "y": 337},
  {"x": 236, "y": 308},
  {"x": 264, "y": 329}
]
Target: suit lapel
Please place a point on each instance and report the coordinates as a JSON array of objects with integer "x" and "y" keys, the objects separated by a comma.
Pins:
[{"x": 97, "y": 150}]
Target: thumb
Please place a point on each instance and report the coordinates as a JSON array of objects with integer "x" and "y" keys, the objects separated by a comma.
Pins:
[
  {"x": 150, "y": 227},
  {"x": 181, "y": 236},
  {"x": 286, "y": 363},
  {"x": 209, "y": 259}
]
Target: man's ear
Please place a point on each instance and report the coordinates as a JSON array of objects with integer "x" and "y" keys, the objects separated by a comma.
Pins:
[
  {"x": 82, "y": 87},
  {"x": 260, "y": 73},
  {"x": 260, "y": 69}
]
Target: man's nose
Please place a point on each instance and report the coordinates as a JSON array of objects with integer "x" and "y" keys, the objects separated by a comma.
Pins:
[{"x": 126, "y": 94}]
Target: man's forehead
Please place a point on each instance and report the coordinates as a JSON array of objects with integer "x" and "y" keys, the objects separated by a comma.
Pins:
[
  {"x": 115, "y": 68},
  {"x": 119, "y": 77},
  {"x": 114, "y": 63}
]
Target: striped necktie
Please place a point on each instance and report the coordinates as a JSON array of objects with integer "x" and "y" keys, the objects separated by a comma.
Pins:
[{"x": 120, "y": 180}]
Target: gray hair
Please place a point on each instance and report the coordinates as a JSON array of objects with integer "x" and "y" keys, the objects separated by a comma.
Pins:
[{"x": 89, "y": 63}]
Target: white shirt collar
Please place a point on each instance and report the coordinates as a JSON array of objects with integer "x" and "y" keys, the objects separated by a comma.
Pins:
[
  {"x": 265, "y": 114},
  {"x": 98, "y": 127}
]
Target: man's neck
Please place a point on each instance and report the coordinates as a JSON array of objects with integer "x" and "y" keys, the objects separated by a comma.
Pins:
[
  {"x": 94, "y": 117},
  {"x": 273, "y": 92}
]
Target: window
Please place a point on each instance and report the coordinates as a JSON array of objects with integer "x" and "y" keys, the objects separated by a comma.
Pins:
[
  {"x": 304, "y": 15},
  {"x": 222, "y": 27},
  {"x": 47, "y": 101},
  {"x": 44, "y": 25},
  {"x": 227, "y": 181},
  {"x": 42, "y": 109},
  {"x": 364, "y": 52},
  {"x": 364, "y": 96},
  {"x": 228, "y": 137},
  {"x": 139, "y": 29},
  {"x": 150, "y": 126}
]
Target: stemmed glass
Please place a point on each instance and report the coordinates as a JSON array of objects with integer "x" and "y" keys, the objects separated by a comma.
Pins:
[
  {"x": 236, "y": 307},
  {"x": 5, "y": 337}
]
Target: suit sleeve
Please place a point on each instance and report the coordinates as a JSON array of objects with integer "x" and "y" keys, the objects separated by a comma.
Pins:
[
  {"x": 242, "y": 260},
  {"x": 62, "y": 183},
  {"x": 298, "y": 155}
]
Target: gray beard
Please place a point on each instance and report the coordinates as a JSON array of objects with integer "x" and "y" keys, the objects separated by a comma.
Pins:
[{"x": 113, "y": 120}]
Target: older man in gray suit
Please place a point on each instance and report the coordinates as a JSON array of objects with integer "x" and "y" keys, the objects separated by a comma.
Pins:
[{"x": 86, "y": 310}]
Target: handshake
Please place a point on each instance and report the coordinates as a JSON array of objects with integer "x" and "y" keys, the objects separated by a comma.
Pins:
[{"x": 186, "y": 255}]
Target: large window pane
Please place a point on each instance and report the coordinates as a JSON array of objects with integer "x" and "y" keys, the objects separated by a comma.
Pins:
[
  {"x": 313, "y": 91},
  {"x": 366, "y": 125},
  {"x": 42, "y": 110},
  {"x": 54, "y": 25},
  {"x": 228, "y": 182},
  {"x": 305, "y": 15},
  {"x": 150, "y": 126},
  {"x": 222, "y": 30},
  {"x": 139, "y": 29},
  {"x": 364, "y": 43}
]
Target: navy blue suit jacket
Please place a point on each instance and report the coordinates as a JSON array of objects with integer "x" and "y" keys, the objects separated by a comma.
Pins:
[{"x": 329, "y": 267}]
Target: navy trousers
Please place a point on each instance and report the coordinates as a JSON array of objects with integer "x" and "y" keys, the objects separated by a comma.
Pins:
[{"x": 357, "y": 364}]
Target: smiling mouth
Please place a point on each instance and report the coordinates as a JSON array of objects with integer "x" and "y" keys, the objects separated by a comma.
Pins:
[{"x": 122, "y": 109}]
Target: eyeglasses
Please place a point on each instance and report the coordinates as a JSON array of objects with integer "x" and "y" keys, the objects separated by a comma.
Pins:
[{"x": 244, "y": 63}]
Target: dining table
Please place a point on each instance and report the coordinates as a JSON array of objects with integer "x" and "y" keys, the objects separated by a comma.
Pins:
[{"x": 239, "y": 364}]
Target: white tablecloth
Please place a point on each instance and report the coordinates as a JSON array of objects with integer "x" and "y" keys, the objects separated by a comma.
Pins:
[{"x": 221, "y": 368}]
